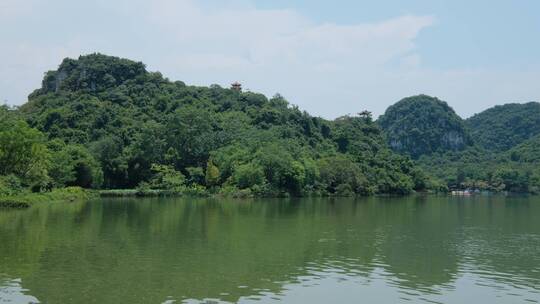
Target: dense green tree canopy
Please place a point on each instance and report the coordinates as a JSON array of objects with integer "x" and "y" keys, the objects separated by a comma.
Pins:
[
  {"x": 502, "y": 127},
  {"x": 23, "y": 152},
  {"x": 429, "y": 130},
  {"x": 528, "y": 151},
  {"x": 140, "y": 127},
  {"x": 420, "y": 125},
  {"x": 106, "y": 122},
  {"x": 27, "y": 159},
  {"x": 517, "y": 170}
]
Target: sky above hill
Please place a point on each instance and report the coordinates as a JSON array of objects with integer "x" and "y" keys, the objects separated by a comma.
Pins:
[{"x": 328, "y": 57}]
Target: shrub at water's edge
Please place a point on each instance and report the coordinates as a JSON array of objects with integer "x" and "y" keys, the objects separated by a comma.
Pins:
[{"x": 26, "y": 199}]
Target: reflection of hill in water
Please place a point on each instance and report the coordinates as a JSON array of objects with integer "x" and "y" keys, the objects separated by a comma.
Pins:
[{"x": 148, "y": 250}]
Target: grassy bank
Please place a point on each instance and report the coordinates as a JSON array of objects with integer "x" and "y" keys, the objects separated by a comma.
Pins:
[{"x": 27, "y": 199}]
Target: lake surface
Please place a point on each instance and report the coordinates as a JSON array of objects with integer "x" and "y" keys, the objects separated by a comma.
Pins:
[{"x": 374, "y": 250}]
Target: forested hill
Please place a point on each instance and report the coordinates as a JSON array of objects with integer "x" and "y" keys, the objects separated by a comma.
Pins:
[
  {"x": 527, "y": 152},
  {"x": 109, "y": 123},
  {"x": 422, "y": 125},
  {"x": 503, "y": 127},
  {"x": 472, "y": 154}
]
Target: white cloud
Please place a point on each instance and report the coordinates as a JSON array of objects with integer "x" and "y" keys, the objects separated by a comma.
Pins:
[
  {"x": 328, "y": 69},
  {"x": 317, "y": 66}
]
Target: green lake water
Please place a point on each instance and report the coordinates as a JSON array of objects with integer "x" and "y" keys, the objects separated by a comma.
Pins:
[{"x": 374, "y": 250}]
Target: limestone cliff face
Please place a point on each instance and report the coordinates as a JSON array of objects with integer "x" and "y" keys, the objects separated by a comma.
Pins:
[
  {"x": 454, "y": 140},
  {"x": 422, "y": 125},
  {"x": 59, "y": 78}
]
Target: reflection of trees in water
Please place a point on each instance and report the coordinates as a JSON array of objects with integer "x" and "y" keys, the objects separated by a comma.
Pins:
[
  {"x": 418, "y": 243},
  {"x": 504, "y": 241},
  {"x": 146, "y": 250},
  {"x": 488, "y": 236}
]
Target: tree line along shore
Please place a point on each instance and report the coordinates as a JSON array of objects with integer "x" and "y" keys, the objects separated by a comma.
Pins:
[{"x": 103, "y": 123}]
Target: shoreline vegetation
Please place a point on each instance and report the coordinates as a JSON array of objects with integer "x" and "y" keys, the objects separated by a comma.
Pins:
[
  {"x": 103, "y": 125},
  {"x": 26, "y": 199},
  {"x": 73, "y": 194}
]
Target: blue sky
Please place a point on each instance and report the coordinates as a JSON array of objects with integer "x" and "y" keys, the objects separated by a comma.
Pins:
[
  {"x": 467, "y": 33},
  {"x": 329, "y": 57},
  {"x": 476, "y": 33}
]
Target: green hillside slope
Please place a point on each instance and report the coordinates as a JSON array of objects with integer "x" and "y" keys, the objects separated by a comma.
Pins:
[
  {"x": 146, "y": 131},
  {"x": 421, "y": 125},
  {"x": 502, "y": 127}
]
